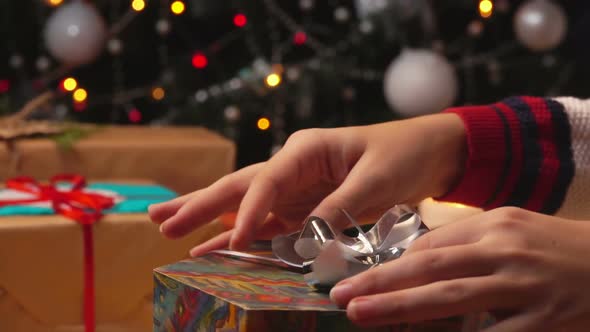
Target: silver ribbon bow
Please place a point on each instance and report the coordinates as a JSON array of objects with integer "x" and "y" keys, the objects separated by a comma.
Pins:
[{"x": 327, "y": 256}]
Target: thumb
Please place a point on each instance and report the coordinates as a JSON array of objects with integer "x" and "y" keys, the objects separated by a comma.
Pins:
[{"x": 357, "y": 193}]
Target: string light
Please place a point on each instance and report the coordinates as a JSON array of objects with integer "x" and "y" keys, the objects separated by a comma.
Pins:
[
  {"x": 177, "y": 7},
  {"x": 54, "y": 3},
  {"x": 158, "y": 93},
  {"x": 299, "y": 38},
  {"x": 263, "y": 123},
  {"x": 240, "y": 20},
  {"x": 69, "y": 84},
  {"x": 273, "y": 80},
  {"x": 486, "y": 8},
  {"x": 138, "y": 5},
  {"x": 134, "y": 115},
  {"x": 4, "y": 86},
  {"x": 199, "y": 60},
  {"x": 80, "y": 95}
]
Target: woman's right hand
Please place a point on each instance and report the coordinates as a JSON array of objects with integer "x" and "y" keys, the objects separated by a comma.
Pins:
[{"x": 363, "y": 170}]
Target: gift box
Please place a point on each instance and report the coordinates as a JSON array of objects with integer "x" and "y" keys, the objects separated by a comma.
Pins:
[
  {"x": 42, "y": 280},
  {"x": 181, "y": 158},
  {"x": 229, "y": 294}
]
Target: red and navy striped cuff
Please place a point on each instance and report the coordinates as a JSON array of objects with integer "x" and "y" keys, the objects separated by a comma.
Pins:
[{"x": 519, "y": 155}]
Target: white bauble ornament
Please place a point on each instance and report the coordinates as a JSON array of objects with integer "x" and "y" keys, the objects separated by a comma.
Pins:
[
  {"x": 420, "y": 82},
  {"x": 540, "y": 25},
  {"x": 75, "y": 33}
]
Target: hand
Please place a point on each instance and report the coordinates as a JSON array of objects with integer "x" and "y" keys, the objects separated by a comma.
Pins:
[
  {"x": 531, "y": 268},
  {"x": 320, "y": 171}
]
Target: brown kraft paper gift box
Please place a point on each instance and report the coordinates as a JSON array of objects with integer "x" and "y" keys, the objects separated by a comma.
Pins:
[
  {"x": 41, "y": 269},
  {"x": 181, "y": 158}
]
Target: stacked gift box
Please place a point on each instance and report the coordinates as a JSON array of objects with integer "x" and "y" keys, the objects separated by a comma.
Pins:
[
  {"x": 44, "y": 275},
  {"x": 180, "y": 158}
]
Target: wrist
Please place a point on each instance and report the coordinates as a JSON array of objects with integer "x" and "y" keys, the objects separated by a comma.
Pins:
[{"x": 449, "y": 151}]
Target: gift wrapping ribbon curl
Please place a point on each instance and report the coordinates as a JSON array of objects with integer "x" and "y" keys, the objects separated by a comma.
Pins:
[
  {"x": 327, "y": 256},
  {"x": 72, "y": 202}
]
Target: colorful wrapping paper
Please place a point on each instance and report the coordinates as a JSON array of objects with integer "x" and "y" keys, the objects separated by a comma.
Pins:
[{"x": 219, "y": 293}]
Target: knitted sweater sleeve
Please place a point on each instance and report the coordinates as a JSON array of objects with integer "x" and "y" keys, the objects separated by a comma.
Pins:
[{"x": 528, "y": 152}]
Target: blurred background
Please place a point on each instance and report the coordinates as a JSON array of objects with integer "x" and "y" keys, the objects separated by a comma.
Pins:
[{"x": 256, "y": 71}]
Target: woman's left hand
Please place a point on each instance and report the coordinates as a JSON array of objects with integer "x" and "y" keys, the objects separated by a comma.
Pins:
[{"x": 531, "y": 269}]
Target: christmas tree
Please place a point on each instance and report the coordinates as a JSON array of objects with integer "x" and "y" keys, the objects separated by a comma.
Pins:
[{"x": 257, "y": 71}]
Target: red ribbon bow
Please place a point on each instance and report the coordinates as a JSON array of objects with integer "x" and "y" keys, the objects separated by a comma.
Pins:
[{"x": 83, "y": 207}]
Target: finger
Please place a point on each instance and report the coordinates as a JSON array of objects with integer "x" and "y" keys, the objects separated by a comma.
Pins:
[
  {"x": 270, "y": 228},
  {"x": 222, "y": 196},
  {"x": 255, "y": 206},
  {"x": 219, "y": 242},
  {"x": 469, "y": 230},
  {"x": 352, "y": 195},
  {"x": 287, "y": 169},
  {"x": 415, "y": 270},
  {"x": 473, "y": 228},
  {"x": 525, "y": 322},
  {"x": 433, "y": 301},
  {"x": 162, "y": 211}
]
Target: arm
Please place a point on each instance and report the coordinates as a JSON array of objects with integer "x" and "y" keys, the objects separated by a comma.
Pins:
[{"x": 528, "y": 152}]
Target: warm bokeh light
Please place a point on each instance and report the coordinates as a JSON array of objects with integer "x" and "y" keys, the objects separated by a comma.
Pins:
[
  {"x": 54, "y": 3},
  {"x": 177, "y": 7},
  {"x": 199, "y": 60},
  {"x": 134, "y": 115},
  {"x": 4, "y": 86},
  {"x": 158, "y": 93},
  {"x": 138, "y": 5},
  {"x": 299, "y": 38},
  {"x": 273, "y": 80},
  {"x": 69, "y": 84},
  {"x": 457, "y": 205},
  {"x": 263, "y": 123},
  {"x": 240, "y": 20},
  {"x": 486, "y": 8},
  {"x": 80, "y": 95}
]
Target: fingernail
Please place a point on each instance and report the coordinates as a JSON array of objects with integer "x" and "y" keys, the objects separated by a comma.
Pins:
[
  {"x": 153, "y": 215},
  {"x": 342, "y": 292},
  {"x": 194, "y": 252},
  {"x": 162, "y": 227},
  {"x": 361, "y": 308},
  {"x": 239, "y": 242}
]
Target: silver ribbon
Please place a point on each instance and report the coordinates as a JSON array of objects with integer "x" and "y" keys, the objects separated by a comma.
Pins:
[{"x": 327, "y": 256}]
